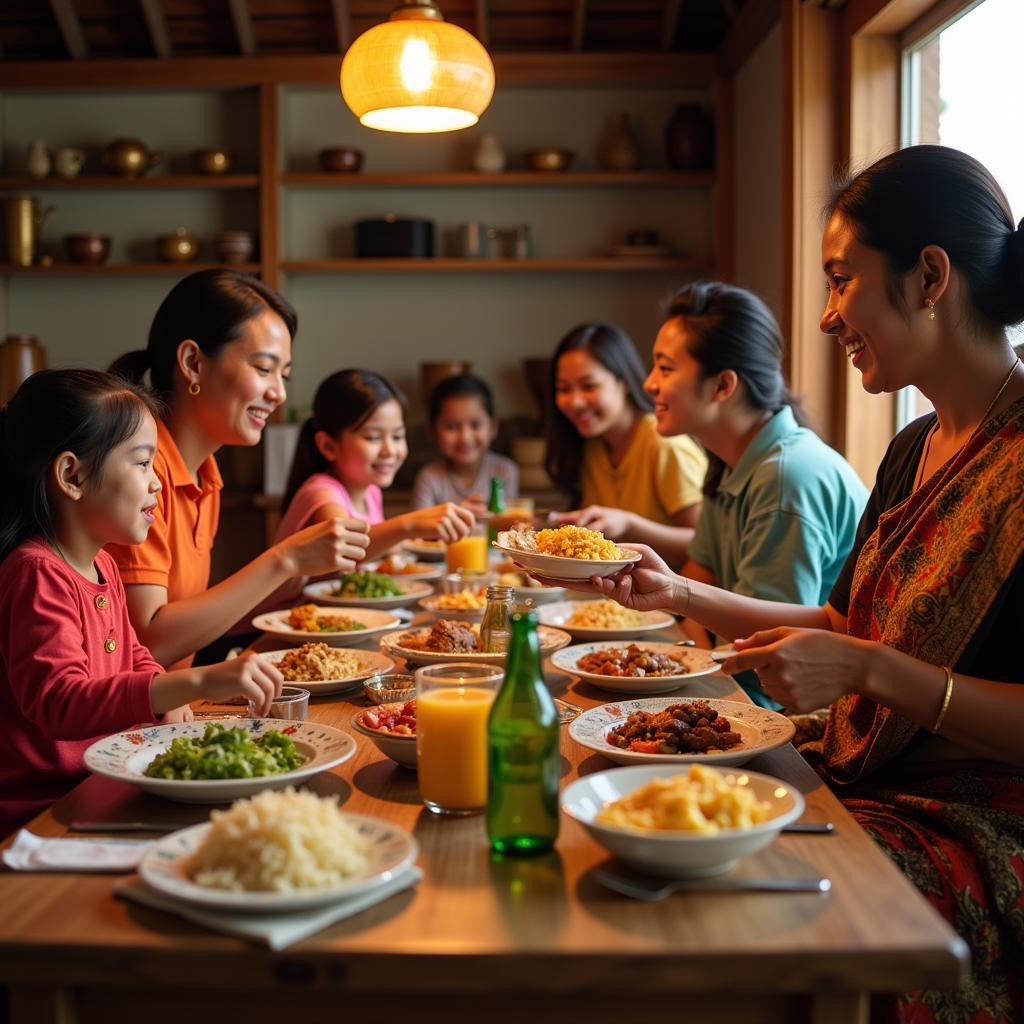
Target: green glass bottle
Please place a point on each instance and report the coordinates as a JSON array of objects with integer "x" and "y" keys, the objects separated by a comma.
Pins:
[
  {"x": 495, "y": 506},
  {"x": 522, "y": 751}
]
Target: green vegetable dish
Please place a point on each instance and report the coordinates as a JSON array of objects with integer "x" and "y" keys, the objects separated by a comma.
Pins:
[
  {"x": 367, "y": 584},
  {"x": 224, "y": 753}
]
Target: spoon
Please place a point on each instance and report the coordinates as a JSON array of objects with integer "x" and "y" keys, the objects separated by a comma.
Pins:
[{"x": 642, "y": 887}]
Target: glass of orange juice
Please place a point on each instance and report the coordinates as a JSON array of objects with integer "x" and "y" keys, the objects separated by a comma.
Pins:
[
  {"x": 469, "y": 555},
  {"x": 452, "y": 705}
]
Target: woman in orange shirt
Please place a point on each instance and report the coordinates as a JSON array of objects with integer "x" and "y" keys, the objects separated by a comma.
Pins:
[{"x": 218, "y": 357}]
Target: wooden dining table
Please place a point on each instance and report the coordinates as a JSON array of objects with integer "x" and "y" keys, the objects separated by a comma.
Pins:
[{"x": 505, "y": 939}]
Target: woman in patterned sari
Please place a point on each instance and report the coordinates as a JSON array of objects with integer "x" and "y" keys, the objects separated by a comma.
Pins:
[{"x": 916, "y": 651}]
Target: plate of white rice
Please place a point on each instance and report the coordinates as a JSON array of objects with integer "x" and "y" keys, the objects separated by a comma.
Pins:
[{"x": 278, "y": 852}]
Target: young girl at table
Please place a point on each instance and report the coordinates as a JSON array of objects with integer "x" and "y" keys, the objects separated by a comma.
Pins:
[
  {"x": 76, "y": 454},
  {"x": 348, "y": 451},
  {"x": 605, "y": 450},
  {"x": 461, "y": 411}
]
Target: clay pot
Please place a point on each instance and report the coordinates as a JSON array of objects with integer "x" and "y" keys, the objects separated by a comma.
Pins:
[
  {"x": 234, "y": 246},
  {"x": 180, "y": 247},
  {"x": 690, "y": 138},
  {"x": 21, "y": 355},
  {"x": 619, "y": 150},
  {"x": 341, "y": 160},
  {"x": 549, "y": 158},
  {"x": 212, "y": 161},
  {"x": 431, "y": 374},
  {"x": 129, "y": 157},
  {"x": 87, "y": 248}
]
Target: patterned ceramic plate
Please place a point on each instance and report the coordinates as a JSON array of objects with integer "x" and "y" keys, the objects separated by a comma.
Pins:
[
  {"x": 698, "y": 662},
  {"x": 761, "y": 730},
  {"x": 392, "y": 850},
  {"x": 551, "y": 640},
  {"x": 557, "y": 568},
  {"x": 559, "y": 614},
  {"x": 370, "y": 663},
  {"x": 126, "y": 756},
  {"x": 374, "y": 622},
  {"x": 323, "y": 593}
]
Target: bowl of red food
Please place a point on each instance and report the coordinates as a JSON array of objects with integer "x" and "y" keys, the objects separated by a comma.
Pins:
[{"x": 392, "y": 728}]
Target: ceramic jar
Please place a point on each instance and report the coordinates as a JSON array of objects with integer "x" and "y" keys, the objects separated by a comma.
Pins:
[
  {"x": 234, "y": 247},
  {"x": 21, "y": 355},
  {"x": 690, "y": 138},
  {"x": 489, "y": 157},
  {"x": 37, "y": 160},
  {"x": 180, "y": 247},
  {"x": 67, "y": 162}
]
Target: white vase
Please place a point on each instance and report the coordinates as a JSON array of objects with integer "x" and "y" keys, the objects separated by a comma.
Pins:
[
  {"x": 37, "y": 161},
  {"x": 489, "y": 157}
]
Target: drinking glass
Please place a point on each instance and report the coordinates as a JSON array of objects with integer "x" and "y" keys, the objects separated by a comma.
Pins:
[
  {"x": 452, "y": 704},
  {"x": 469, "y": 555},
  {"x": 292, "y": 704}
]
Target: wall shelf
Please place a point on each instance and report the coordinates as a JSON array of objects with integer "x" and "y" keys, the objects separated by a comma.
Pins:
[
  {"x": 118, "y": 269},
  {"x": 507, "y": 179},
  {"x": 597, "y": 264},
  {"x": 117, "y": 182}
]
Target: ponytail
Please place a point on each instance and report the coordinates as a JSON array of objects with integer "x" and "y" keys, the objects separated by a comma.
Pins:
[
  {"x": 132, "y": 366},
  {"x": 82, "y": 411}
]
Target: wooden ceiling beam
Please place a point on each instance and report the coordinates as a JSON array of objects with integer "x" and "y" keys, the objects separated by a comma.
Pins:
[
  {"x": 670, "y": 23},
  {"x": 483, "y": 23},
  {"x": 579, "y": 24},
  {"x": 70, "y": 28},
  {"x": 752, "y": 24},
  {"x": 342, "y": 24},
  {"x": 156, "y": 23},
  {"x": 241, "y": 18},
  {"x": 322, "y": 69}
]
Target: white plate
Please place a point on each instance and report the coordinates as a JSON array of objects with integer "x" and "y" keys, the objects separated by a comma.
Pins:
[
  {"x": 761, "y": 730},
  {"x": 559, "y": 613},
  {"x": 566, "y": 661},
  {"x": 126, "y": 755},
  {"x": 423, "y": 571},
  {"x": 557, "y": 568},
  {"x": 392, "y": 850},
  {"x": 371, "y": 662},
  {"x": 551, "y": 640},
  {"x": 425, "y": 550},
  {"x": 376, "y": 622},
  {"x": 430, "y": 605},
  {"x": 323, "y": 593},
  {"x": 678, "y": 854}
]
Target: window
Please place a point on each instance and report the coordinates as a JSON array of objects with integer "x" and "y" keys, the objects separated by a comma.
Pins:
[{"x": 962, "y": 88}]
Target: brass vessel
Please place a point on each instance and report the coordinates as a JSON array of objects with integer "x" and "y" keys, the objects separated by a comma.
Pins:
[
  {"x": 23, "y": 219},
  {"x": 129, "y": 157}
]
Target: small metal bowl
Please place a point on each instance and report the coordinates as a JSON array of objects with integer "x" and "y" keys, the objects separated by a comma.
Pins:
[
  {"x": 390, "y": 688},
  {"x": 548, "y": 158}
]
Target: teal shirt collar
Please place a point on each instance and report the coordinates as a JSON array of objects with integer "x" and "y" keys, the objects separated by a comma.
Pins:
[{"x": 781, "y": 425}]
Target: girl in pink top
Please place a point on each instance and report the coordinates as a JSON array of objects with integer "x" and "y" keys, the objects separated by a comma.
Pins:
[
  {"x": 350, "y": 448},
  {"x": 76, "y": 457}
]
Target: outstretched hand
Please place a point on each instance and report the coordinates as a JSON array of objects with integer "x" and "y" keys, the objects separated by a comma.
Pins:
[{"x": 643, "y": 585}]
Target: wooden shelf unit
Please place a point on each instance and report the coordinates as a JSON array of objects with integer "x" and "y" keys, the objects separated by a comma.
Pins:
[
  {"x": 118, "y": 269},
  {"x": 598, "y": 264},
  {"x": 507, "y": 179},
  {"x": 118, "y": 182}
]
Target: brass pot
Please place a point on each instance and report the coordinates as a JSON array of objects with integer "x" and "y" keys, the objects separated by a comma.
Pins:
[
  {"x": 180, "y": 247},
  {"x": 129, "y": 157},
  {"x": 550, "y": 158},
  {"x": 212, "y": 161},
  {"x": 87, "y": 248}
]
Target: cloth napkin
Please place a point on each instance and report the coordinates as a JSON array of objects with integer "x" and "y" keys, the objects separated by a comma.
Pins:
[
  {"x": 30, "y": 852},
  {"x": 277, "y": 931}
]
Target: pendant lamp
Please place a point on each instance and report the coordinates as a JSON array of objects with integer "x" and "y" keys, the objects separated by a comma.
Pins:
[{"x": 417, "y": 73}]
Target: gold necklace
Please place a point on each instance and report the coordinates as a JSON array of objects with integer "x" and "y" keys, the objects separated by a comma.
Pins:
[{"x": 919, "y": 478}]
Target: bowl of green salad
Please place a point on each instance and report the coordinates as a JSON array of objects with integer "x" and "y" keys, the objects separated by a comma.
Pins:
[
  {"x": 367, "y": 589},
  {"x": 213, "y": 762}
]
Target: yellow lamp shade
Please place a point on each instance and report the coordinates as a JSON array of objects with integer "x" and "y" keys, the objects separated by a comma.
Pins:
[{"x": 416, "y": 73}]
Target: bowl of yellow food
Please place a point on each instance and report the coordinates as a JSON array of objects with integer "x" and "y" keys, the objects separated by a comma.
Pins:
[
  {"x": 467, "y": 604},
  {"x": 602, "y": 620},
  {"x": 565, "y": 553},
  {"x": 685, "y": 823}
]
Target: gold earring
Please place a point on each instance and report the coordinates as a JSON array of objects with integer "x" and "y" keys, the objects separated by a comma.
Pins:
[
  {"x": 931, "y": 308},
  {"x": 193, "y": 388}
]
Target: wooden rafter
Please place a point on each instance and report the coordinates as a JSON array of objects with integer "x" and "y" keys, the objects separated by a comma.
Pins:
[
  {"x": 241, "y": 18},
  {"x": 670, "y": 23},
  {"x": 156, "y": 23},
  {"x": 70, "y": 28},
  {"x": 752, "y": 24},
  {"x": 483, "y": 27},
  {"x": 342, "y": 24},
  {"x": 579, "y": 23}
]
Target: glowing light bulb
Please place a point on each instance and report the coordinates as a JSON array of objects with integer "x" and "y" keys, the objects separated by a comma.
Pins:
[{"x": 416, "y": 65}]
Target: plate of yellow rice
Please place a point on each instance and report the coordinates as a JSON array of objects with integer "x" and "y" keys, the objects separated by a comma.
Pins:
[
  {"x": 602, "y": 620},
  {"x": 565, "y": 552}
]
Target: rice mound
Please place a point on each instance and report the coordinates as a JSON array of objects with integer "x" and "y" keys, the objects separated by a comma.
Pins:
[{"x": 279, "y": 841}]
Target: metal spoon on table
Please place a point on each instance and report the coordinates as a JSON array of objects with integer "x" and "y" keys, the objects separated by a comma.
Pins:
[{"x": 642, "y": 887}]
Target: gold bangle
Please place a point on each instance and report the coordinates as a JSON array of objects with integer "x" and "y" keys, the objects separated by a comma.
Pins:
[{"x": 945, "y": 700}]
